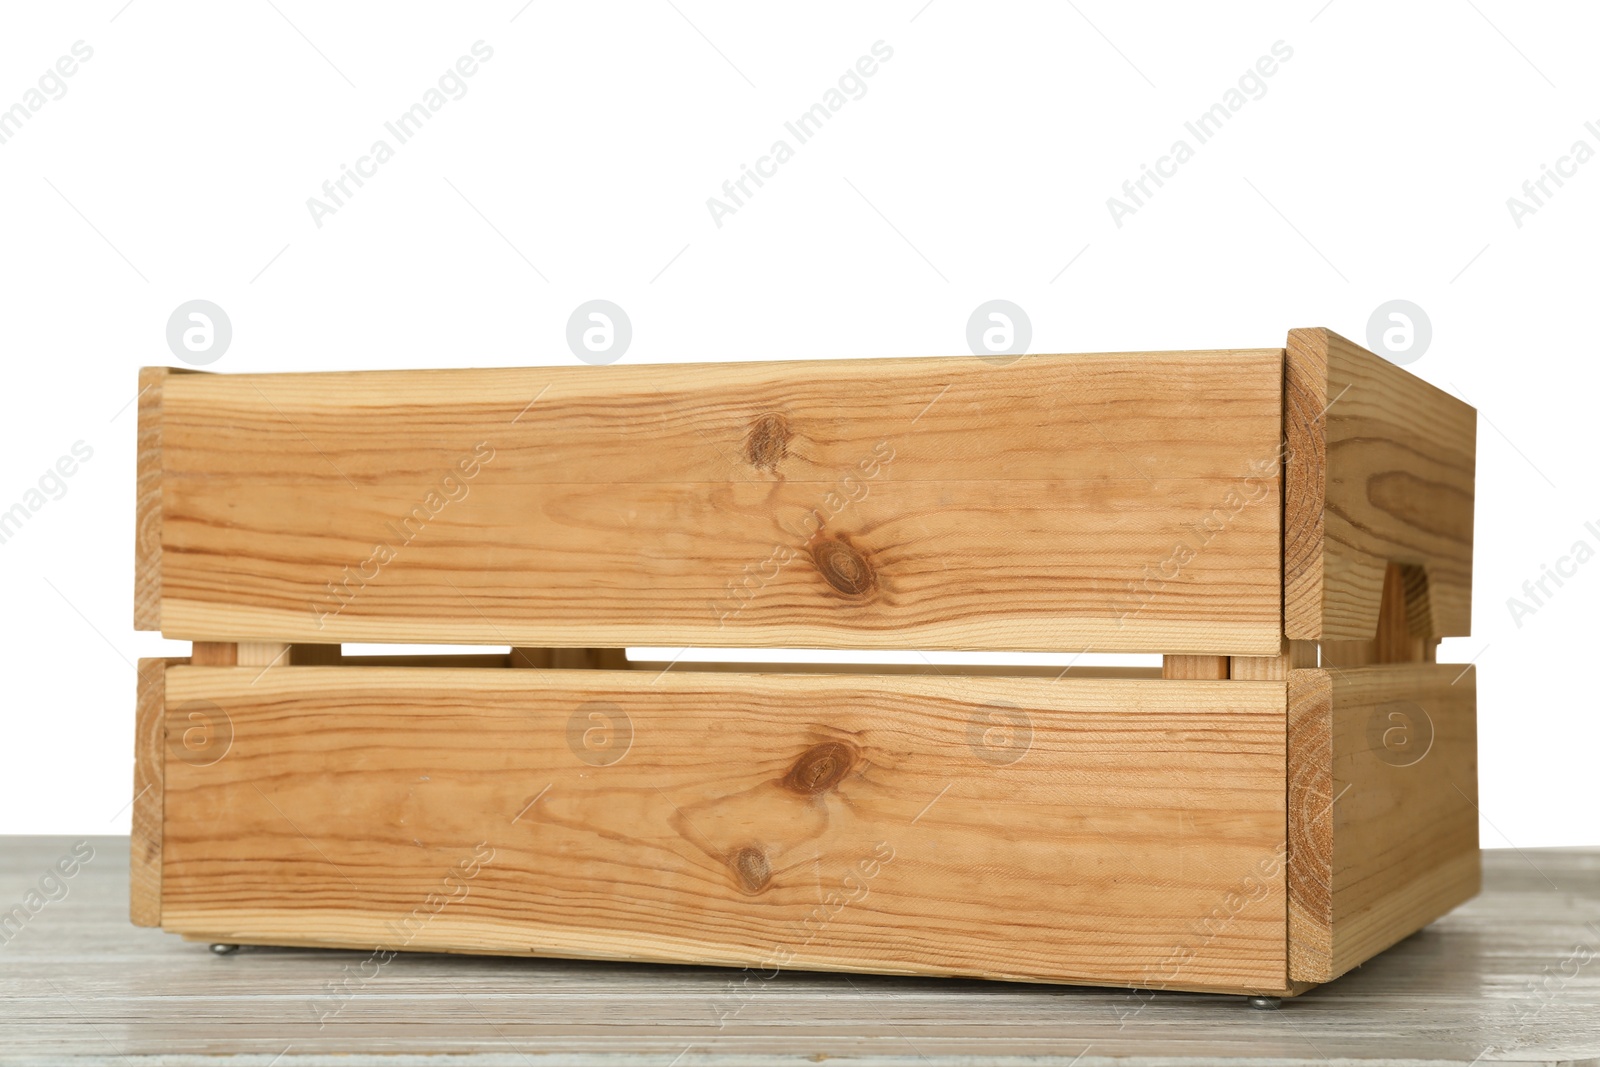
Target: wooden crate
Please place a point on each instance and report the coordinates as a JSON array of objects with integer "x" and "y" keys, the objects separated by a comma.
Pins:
[{"x": 1292, "y": 792}]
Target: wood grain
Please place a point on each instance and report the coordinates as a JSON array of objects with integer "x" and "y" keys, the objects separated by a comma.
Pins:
[
  {"x": 1109, "y": 832},
  {"x": 1379, "y": 470},
  {"x": 1294, "y": 655},
  {"x": 571, "y": 658},
  {"x": 147, "y": 502},
  {"x": 1502, "y": 972},
  {"x": 451, "y": 660},
  {"x": 1194, "y": 668},
  {"x": 1403, "y": 606},
  {"x": 149, "y": 759},
  {"x": 263, "y": 654},
  {"x": 925, "y": 669},
  {"x": 1126, "y": 502},
  {"x": 1383, "y": 793},
  {"x": 214, "y": 654}
]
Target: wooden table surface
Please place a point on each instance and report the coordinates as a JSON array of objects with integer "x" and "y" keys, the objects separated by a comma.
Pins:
[{"x": 1512, "y": 977}]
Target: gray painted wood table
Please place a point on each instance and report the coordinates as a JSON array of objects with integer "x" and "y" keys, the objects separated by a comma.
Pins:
[{"x": 1512, "y": 977}]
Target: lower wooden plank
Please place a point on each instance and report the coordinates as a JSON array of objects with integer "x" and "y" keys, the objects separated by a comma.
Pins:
[
  {"x": 1383, "y": 793},
  {"x": 1121, "y": 832},
  {"x": 1505, "y": 972}
]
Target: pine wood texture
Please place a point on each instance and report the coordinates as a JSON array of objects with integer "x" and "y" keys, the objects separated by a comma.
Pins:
[
  {"x": 570, "y": 658},
  {"x": 214, "y": 654},
  {"x": 147, "y": 502},
  {"x": 242, "y": 653},
  {"x": 1105, "y": 832},
  {"x": 149, "y": 763},
  {"x": 1194, "y": 668},
  {"x": 925, "y": 669},
  {"x": 1294, "y": 656},
  {"x": 1239, "y": 820},
  {"x": 1502, "y": 979},
  {"x": 1383, "y": 793},
  {"x": 1402, "y": 608},
  {"x": 1379, "y": 470},
  {"x": 1126, "y": 502}
]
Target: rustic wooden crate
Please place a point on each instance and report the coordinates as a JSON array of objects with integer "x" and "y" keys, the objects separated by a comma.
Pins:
[{"x": 1292, "y": 792}]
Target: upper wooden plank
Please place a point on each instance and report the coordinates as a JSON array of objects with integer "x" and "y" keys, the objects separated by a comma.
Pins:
[
  {"x": 1124, "y": 502},
  {"x": 1379, "y": 470}
]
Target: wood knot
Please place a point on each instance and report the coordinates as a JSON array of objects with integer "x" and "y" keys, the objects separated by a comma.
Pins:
[
  {"x": 843, "y": 567},
  {"x": 767, "y": 442},
  {"x": 820, "y": 768},
  {"x": 751, "y": 868}
]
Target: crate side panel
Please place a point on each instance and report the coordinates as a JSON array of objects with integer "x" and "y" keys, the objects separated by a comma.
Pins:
[
  {"x": 149, "y": 765},
  {"x": 147, "y": 501},
  {"x": 1383, "y": 808},
  {"x": 1103, "y": 832},
  {"x": 1380, "y": 470}
]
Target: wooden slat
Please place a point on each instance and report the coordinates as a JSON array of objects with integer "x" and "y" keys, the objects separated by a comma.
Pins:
[
  {"x": 215, "y": 654},
  {"x": 1194, "y": 668},
  {"x": 263, "y": 654},
  {"x": 928, "y": 670},
  {"x": 1103, "y": 832},
  {"x": 1383, "y": 793},
  {"x": 149, "y": 758},
  {"x": 453, "y": 660},
  {"x": 1295, "y": 655},
  {"x": 1379, "y": 471},
  {"x": 933, "y": 503},
  {"x": 147, "y": 502},
  {"x": 571, "y": 658},
  {"x": 1402, "y": 606}
]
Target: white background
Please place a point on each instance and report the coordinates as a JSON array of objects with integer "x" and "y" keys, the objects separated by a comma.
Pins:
[{"x": 978, "y": 164}]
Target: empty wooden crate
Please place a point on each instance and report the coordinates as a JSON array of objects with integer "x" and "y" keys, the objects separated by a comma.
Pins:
[{"x": 1292, "y": 792}]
